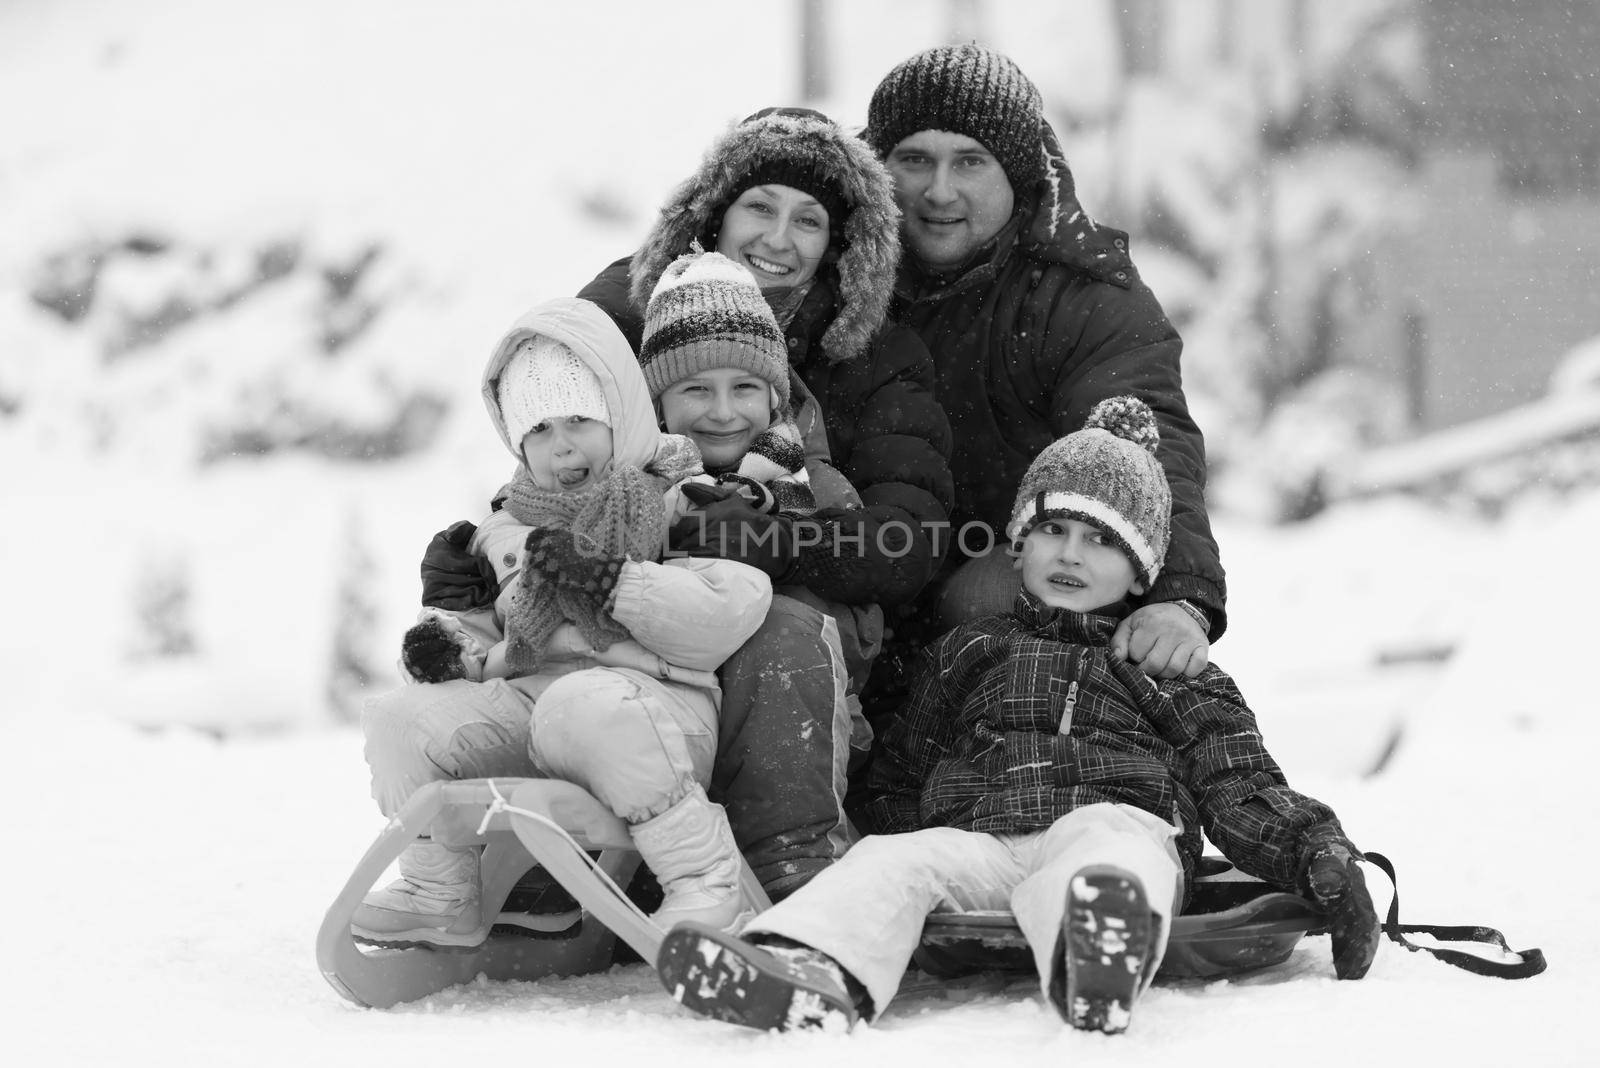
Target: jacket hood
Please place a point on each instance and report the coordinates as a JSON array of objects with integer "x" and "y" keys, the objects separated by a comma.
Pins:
[
  {"x": 869, "y": 247},
  {"x": 588, "y": 331},
  {"x": 1060, "y": 231}
]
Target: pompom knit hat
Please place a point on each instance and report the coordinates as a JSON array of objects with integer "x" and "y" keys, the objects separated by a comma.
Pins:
[
  {"x": 707, "y": 312},
  {"x": 1107, "y": 475},
  {"x": 544, "y": 379},
  {"x": 969, "y": 90}
]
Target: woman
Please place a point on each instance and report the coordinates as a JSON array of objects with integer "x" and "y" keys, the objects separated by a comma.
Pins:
[{"x": 809, "y": 210}]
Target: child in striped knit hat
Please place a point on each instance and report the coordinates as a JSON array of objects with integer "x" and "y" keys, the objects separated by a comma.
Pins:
[
  {"x": 1032, "y": 769},
  {"x": 718, "y": 372}
]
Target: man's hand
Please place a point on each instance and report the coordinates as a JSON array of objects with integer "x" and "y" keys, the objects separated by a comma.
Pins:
[{"x": 1163, "y": 640}]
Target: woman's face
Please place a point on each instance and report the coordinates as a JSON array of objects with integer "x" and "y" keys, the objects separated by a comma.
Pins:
[
  {"x": 723, "y": 409},
  {"x": 778, "y": 234}
]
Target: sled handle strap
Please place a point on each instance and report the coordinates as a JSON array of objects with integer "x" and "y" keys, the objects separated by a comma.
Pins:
[{"x": 1529, "y": 962}]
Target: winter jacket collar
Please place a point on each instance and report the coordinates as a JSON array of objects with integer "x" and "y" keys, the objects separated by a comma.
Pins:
[{"x": 1065, "y": 625}]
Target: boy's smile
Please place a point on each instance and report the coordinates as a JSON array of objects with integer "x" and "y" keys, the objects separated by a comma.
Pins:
[
  {"x": 723, "y": 409},
  {"x": 1068, "y": 563}
]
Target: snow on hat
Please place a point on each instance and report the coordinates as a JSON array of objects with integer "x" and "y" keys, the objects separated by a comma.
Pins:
[
  {"x": 1107, "y": 475},
  {"x": 707, "y": 312},
  {"x": 544, "y": 379},
  {"x": 969, "y": 90}
]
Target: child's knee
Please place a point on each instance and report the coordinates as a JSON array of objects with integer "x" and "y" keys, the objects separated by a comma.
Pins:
[{"x": 589, "y": 708}]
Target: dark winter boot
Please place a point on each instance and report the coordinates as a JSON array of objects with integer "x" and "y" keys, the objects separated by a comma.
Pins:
[
  {"x": 1107, "y": 938},
  {"x": 768, "y": 987}
]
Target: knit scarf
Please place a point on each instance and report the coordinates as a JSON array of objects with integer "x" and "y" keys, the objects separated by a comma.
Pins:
[
  {"x": 623, "y": 517},
  {"x": 773, "y": 468}
]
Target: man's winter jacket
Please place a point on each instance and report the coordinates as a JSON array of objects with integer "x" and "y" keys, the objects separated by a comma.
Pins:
[{"x": 1046, "y": 321}]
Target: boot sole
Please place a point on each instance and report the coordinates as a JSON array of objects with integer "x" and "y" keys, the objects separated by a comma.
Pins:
[
  {"x": 715, "y": 975},
  {"x": 432, "y": 939},
  {"x": 1108, "y": 935}
]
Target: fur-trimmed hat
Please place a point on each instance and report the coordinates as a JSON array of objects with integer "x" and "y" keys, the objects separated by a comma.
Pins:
[
  {"x": 1107, "y": 475},
  {"x": 968, "y": 90},
  {"x": 814, "y": 154},
  {"x": 707, "y": 312},
  {"x": 544, "y": 379}
]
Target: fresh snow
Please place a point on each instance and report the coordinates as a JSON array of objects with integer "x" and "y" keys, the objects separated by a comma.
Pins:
[{"x": 180, "y": 824}]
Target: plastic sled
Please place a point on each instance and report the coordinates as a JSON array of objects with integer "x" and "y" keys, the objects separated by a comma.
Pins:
[
  {"x": 1233, "y": 924},
  {"x": 519, "y": 823}
]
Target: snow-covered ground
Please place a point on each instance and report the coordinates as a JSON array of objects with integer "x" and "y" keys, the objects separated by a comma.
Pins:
[{"x": 166, "y": 884}]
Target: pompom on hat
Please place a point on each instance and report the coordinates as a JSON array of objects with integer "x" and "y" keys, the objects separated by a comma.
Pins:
[
  {"x": 1106, "y": 475},
  {"x": 543, "y": 380},
  {"x": 969, "y": 90},
  {"x": 707, "y": 312}
]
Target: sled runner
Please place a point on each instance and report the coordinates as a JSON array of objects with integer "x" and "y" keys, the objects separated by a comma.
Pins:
[{"x": 1234, "y": 923}]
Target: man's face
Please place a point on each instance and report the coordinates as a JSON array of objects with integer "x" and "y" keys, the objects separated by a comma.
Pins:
[{"x": 953, "y": 195}]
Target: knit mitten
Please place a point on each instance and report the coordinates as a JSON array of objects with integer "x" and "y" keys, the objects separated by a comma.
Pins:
[
  {"x": 555, "y": 556},
  {"x": 431, "y": 653},
  {"x": 1334, "y": 882}
]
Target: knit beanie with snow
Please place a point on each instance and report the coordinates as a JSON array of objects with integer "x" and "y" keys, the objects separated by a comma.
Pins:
[
  {"x": 707, "y": 312},
  {"x": 964, "y": 89},
  {"x": 1107, "y": 475},
  {"x": 544, "y": 379}
]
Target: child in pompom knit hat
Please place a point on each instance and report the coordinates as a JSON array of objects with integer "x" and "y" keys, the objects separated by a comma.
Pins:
[
  {"x": 1032, "y": 770},
  {"x": 595, "y": 661}
]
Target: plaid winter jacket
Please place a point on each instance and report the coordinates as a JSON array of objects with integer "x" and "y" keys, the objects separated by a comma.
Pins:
[{"x": 1017, "y": 719}]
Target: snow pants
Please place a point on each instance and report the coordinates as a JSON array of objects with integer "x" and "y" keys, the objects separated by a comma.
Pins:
[
  {"x": 784, "y": 746},
  {"x": 634, "y": 741},
  {"x": 868, "y": 910}
]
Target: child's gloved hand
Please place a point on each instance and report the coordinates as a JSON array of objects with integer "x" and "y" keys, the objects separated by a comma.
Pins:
[
  {"x": 1334, "y": 881},
  {"x": 733, "y": 529},
  {"x": 431, "y": 652},
  {"x": 453, "y": 578},
  {"x": 555, "y": 556}
]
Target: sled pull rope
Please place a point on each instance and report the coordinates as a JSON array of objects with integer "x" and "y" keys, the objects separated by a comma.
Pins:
[
  {"x": 1529, "y": 962},
  {"x": 500, "y": 804}
]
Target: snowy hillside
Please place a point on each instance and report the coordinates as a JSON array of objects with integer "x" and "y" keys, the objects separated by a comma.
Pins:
[{"x": 251, "y": 254}]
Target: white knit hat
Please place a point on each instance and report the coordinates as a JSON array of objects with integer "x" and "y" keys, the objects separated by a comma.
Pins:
[{"x": 544, "y": 379}]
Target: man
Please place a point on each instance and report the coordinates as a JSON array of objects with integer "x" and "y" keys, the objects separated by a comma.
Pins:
[{"x": 1033, "y": 313}]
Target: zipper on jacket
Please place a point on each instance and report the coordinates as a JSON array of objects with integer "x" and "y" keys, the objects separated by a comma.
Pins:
[{"x": 1067, "y": 707}]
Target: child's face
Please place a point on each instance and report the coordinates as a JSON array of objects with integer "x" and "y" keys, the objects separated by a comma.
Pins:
[
  {"x": 723, "y": 409},
  {"x": 1070, "y": 564},
  {"x": 568, "y": 454},
  {"x": 777, "y": 233}
]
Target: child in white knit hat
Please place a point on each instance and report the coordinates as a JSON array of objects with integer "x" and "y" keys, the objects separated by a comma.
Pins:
[
  {"x": 1033, "y": 770},
  {"x": 595, "y": 660}
]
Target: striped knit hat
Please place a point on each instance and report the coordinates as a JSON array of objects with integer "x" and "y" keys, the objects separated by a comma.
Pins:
[
  {"x": 707, "y": 312},
  {"x": 969, "y": 90},
  {"x": 1107, "y": 475}
]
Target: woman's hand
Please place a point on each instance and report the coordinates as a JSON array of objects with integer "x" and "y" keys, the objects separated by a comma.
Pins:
[{"x": 1163, "y": 640}]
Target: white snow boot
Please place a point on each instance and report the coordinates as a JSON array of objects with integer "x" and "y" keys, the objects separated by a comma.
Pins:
[
  {"x": 690, "y": 849},
  {"x": 435, "y": 902}
]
